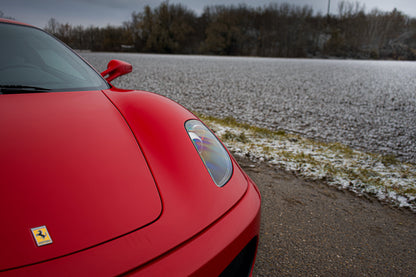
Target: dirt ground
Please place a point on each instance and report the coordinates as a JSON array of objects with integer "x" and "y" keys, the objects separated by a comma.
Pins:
[{"x": 311, "y": 229}]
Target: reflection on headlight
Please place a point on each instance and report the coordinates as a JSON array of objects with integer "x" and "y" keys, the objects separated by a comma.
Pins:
[{"x": 211, "y": 151}]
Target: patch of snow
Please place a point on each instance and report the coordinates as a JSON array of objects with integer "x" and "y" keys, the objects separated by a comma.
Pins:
[{"x": 359, "y": 172}]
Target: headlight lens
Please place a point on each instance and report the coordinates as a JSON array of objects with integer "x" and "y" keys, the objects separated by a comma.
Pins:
[{"x": 211, "y": 151}]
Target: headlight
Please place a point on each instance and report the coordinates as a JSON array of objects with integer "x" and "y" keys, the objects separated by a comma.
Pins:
[{"x": 211, "y": 151}]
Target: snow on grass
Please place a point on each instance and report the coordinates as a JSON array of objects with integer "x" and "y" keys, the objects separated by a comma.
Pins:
[{"x": 383, "y": 177}]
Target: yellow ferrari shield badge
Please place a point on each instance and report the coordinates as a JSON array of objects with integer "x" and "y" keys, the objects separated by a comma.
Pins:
[{"x": 41, "y": 235}]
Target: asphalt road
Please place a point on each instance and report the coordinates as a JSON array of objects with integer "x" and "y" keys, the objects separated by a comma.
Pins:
[{"x": 311, "y": 229}]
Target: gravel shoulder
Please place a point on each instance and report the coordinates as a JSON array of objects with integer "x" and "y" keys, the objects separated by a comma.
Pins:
[{"x": 311, "y": 229}]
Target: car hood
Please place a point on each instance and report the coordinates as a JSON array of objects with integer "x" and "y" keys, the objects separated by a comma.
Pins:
[{"x": 69, "y": 161}]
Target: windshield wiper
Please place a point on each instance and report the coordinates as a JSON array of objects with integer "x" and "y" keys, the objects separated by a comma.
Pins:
[{"x": 11, "y": 89}]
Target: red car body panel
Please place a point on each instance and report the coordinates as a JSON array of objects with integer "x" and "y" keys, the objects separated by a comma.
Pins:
[
  {"x": 70, "y": 162},
  {"x": 190, "y": 196},
  {"x": 116, "y": 179},
  {"x": 206, "y": 254}
]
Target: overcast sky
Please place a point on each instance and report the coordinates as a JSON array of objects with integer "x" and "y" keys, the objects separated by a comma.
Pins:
[{"x": 115, "y": 12}]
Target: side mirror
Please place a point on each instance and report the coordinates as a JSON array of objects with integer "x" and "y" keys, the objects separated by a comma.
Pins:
[{"x": 116, "y": 68}]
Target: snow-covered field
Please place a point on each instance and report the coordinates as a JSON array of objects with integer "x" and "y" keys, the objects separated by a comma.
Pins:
[{"x": 369, "y": 106}]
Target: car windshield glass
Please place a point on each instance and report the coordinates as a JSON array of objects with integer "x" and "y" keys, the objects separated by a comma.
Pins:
[{"x": 33, "y": 61}]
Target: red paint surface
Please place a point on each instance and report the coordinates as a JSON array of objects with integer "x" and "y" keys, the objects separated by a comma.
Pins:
[{"x": 70, "y": 162}]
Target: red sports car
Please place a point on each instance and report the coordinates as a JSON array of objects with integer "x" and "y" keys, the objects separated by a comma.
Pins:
[{"x": 99, "y": 181}]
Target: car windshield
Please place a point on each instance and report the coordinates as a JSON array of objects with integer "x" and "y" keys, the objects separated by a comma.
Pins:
[{"x": 33, "y": 61}]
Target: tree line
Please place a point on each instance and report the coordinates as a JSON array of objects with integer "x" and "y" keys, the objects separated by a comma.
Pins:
[{"x": 275, "y": 30}]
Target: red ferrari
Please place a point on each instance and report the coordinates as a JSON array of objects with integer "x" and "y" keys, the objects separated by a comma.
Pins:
[{"x": 99, "y": 181}]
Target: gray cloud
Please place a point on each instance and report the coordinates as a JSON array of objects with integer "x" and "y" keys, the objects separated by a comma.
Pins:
[{"x": 104, "y": 12}]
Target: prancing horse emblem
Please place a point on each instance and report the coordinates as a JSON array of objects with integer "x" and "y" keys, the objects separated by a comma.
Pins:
[{"x": 41, "y": 235}]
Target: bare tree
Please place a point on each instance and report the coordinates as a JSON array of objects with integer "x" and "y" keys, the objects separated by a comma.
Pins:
[{"x": 277, "y": 30}]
